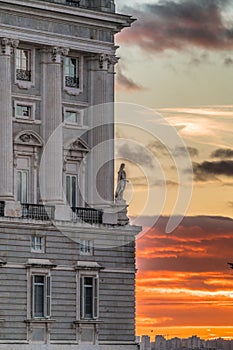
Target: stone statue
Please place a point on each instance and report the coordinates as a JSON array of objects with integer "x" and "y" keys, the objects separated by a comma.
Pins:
[{"x": 121, "y": 183}]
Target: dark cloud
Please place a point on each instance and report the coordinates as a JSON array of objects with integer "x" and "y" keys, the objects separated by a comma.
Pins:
[
  {"x": 222, "y": 153},
  {"x": 136, "y": 154},
  {"x": 208, "y": 170},
  {"x": 228, "y": 62},
  {"x": 199, "y": 243},
  {"x": 125, "y": 82},
  {"x": 178, "y": 25},
  {"x": 182, "y": 151}
]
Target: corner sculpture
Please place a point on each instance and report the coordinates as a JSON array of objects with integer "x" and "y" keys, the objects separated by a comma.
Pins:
[{"x": 121, "y": 183}]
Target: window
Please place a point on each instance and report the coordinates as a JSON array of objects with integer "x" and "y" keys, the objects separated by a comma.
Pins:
[
  {"x": 71, "y": 117},
  {"x": 23, "y": 64},
  {"x": 23, "y": 111},
  {"x": 41, "y": 296},
  {"x": 22, "y": 186},
  {"x": 89, "y": 297},
  {"x": 86, "y": 247},
  {"x": 71, "y": 190},
  {"x": 72, "y": 72},
  {"x": 38, "y": 244}
]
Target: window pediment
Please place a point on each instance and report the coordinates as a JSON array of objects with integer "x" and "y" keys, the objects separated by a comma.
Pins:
[
  {"x": 76, "y": 150},
  {"x": 29, "y": 138}
]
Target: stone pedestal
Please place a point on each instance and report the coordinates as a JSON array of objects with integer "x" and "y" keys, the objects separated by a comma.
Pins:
[
  {"x": 62, "y": 212},
  {"x": 122, "y": 218},
  {"x": 110, "y": 216},
  {"x": 12, "y": 209}
]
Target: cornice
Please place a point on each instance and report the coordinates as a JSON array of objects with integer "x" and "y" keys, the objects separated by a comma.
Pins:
[
  {"x": 39, "y": 38},
  {"x": 67, "y": 13}
]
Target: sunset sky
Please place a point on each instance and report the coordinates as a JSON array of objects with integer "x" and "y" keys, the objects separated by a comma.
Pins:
[{"x": 174, "y": 132}]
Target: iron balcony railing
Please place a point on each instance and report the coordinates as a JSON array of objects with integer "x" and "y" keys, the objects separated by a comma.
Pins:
[
  {"x": 88, "y": 215},
  {"x": 72, "y": 82},
  {"x": 37, "y": 211},
  {"x": 22, "y": 74},
  {"x": 2, "y": 207}
]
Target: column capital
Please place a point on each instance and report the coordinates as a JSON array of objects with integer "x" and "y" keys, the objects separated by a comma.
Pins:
[
  {"x": 58, "y": 52},
  {"x": 55, "y": 54},
  {"x": 7, "y": 45},
  {"x": 104, "y": 61}
]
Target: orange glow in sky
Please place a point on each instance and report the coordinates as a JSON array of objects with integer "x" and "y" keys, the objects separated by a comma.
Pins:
[{"x": 184, "y": 284}]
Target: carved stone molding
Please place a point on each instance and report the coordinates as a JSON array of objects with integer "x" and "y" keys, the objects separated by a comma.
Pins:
[
  {"x": 7, "y": 45},
  {"x": 75, "y": 151},
  {"x": 107, "y": 60},
  {"x": 28, "y": 138},
  {"x": 57, "y": 52},
  {"x": 54, "y": 54}
]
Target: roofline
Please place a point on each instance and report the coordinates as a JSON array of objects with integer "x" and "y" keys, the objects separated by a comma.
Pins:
[{"x": 117, "y": 19}]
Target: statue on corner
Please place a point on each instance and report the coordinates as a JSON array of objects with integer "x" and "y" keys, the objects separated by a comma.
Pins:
[{"x": 121, "y": 183}]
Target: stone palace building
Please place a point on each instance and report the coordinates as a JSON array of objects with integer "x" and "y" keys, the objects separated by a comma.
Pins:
[{"x": 67, "y": 250}]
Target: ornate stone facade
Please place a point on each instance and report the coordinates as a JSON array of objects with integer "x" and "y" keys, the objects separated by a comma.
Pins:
[{"x": 67, "y": 260}]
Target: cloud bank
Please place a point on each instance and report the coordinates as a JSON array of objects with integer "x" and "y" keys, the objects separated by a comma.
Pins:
[{"x": 179, "y": 25}]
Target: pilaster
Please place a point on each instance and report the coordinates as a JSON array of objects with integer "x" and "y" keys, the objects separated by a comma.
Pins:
[
  {"x": 52, "y": 164},
  {"x": 6, "y": 138},
  {"x": 101, "y": 120}
]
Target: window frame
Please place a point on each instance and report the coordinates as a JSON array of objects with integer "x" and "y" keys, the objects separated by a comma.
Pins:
[
  {"x": 89, "y": 246},
  {"x": 31, "y": 105},
  {"x": 79, "y": 114},
  {"x": 81, "y": 295},
  {"x": 47, "y": 298},
  {"x": 74, "y": 90},
  {"x": 25, "y": 84},
  {"x": 19, "y": 197},
  {"x": 34, "y": 245},
  {"x": 70, "y": 198}
]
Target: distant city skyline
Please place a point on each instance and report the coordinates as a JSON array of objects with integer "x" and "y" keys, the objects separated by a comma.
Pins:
[{"x": 160, "y": 342}]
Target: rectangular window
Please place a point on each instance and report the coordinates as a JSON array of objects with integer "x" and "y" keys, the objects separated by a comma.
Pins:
[
  {"x": 71, "y": 190},
  {"x": 41, "y": 296},
  {"x": 89, "y": 297},
  {"x": 72, "y": 72},
  {"x": 72, "y": 117},
  {"x": 86, "y": 247},
  {"x": 38, "y": 244},
  {"x": 23, "y": 111},
  {"x": 23, "y": 64},
  {"x": 22, "y": 186}
]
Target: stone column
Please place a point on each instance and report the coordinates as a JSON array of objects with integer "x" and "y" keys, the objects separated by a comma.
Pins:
[
  {"x": 6, "y": 139},
  {"x": 101, "y": 136},
  {"x": 51, "y": 174}
]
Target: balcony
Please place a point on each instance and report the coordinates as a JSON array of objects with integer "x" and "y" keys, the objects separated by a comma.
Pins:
[
  {"x": 37, "y": 211},
  {"x": 47, "y": 213},
  {"x": 22, "y": 74},
  {"x": 88, "y": 215},
  {"x": 72, "y": 82}
]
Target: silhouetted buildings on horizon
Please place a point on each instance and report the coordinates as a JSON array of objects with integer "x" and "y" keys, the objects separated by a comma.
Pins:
[{"x": 192, "y": 343}]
